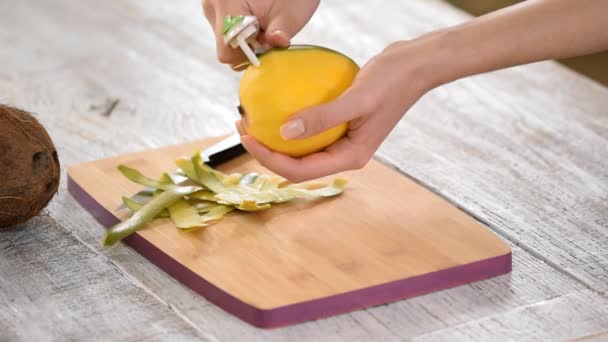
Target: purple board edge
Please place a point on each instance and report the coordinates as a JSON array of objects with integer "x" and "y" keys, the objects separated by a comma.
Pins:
[{"x": 304, "y": 311}]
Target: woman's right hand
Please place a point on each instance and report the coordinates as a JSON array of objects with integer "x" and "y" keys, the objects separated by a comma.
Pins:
[{"x": 279, "y": 22}]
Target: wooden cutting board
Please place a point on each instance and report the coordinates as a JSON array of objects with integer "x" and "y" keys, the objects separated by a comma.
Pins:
[{"x": 386, "y": 238}]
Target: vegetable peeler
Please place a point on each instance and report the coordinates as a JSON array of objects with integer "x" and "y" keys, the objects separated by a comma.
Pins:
[{"x": 241, "y": 31}]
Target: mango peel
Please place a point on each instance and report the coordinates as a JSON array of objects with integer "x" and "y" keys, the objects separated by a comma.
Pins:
[{"x": 206, "y": 195}]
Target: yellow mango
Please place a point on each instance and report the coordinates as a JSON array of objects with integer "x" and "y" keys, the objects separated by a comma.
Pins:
[{"x": 288, "y": 81}]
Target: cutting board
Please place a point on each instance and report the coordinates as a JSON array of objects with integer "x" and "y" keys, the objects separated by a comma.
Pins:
[{"x": 386, "y": 238}]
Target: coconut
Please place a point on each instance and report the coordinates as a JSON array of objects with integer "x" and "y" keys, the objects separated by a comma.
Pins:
[{"x": 29, "y": 167}]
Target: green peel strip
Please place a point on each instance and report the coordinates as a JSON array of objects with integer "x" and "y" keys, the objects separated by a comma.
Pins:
[
  {"x": 147, "y": 213},
  {"x": 206, "y": 175},
  {"x": 185, "y": 215},
  {"x": 213, "y": 215},
  {"x": 216, "y": 194},
  {"x": 134, "y": 206},
  {"x": 137, "y": 177}
]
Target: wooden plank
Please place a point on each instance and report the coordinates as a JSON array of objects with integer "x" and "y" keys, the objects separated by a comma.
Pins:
[
  {"x": 595, "y": 337},
  {"x": 500, "y": 300},
  {"x": 54, "y": 286},
  {"x": 152, "y": 61},
  {"x": 300, "y": 261},
  {"x": 532, "y": 281},
  {"x": 579, "y": 309}
]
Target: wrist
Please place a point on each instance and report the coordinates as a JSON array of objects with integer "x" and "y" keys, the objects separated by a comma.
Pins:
[
  {"x": 427, "y": 61},
  {"x": 440, "y": 61}
]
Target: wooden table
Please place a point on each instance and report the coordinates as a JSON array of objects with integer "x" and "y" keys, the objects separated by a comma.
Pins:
[{"x": 524, "y": 150}]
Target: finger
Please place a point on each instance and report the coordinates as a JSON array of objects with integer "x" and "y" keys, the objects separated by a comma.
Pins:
[
  {"x": 336, "y": 159},
  {"x": 209, "y": 11},
  {"x": 240, "y": 127},
  {"x": 264, "y": 44},
  {"x": 279, "y": 30},
  {"x": 277, "y": 37},
  {"x": 286, "y": 19},
  {"x": 354, "y": 103},
  {"x": 225, "y": 53}
]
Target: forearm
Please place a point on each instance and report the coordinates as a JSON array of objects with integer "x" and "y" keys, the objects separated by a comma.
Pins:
[{"x": 532, "y": 31}]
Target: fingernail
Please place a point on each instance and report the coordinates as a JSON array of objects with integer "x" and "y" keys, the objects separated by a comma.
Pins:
[
  {"x": 282, "y": 36},
  {"x": 292, "y": 129}
]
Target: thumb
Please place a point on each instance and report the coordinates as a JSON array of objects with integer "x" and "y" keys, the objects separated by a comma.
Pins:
[
  {"x": 279, "y": 31},
  {"x": 317, "y": 119},
  {"x": 286, "y": 19}
]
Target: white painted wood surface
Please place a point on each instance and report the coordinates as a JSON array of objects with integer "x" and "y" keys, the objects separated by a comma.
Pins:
[
  {"x": 54, "y": 287},
  {"x": 524, "y": 150}
]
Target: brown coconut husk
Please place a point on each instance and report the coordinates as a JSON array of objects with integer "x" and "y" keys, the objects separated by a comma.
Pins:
[{"x": 29, "y": 167}]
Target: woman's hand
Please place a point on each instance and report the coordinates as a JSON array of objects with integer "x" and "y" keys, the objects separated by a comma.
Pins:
[
  {"x": 393, "y": 81},
  {"x": 382, "y": 92},
  {"x": 279, "y": 22}
]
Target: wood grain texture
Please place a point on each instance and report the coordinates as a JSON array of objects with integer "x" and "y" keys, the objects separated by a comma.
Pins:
[
  {"x": 597, "y": 337},
  {"x": 157, "y": 57},
  {"x": 521, "y": 324},
  {"x": 533, "y": 163},
  {"x": 383, "y": 239},
  {"x": 44, "y": 298}
]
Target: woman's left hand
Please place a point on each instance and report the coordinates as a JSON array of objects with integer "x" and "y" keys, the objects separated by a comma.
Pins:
[
  {"x": 380, "y": 95},
  {"x": 395, "y": 79}
]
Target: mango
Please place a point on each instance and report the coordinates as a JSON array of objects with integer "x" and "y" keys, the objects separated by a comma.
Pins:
[{"x": 288, "y": 81}]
